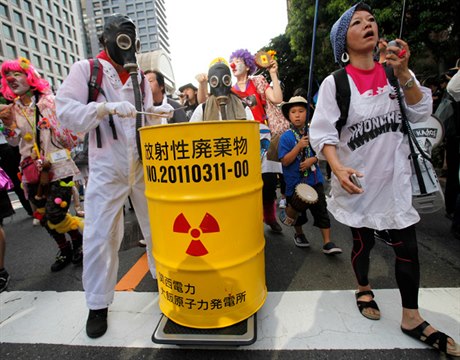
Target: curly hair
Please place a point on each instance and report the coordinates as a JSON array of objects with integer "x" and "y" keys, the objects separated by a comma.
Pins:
[
  {"x": 33, "y": 78},
  {"x": 247, "y": 57}
]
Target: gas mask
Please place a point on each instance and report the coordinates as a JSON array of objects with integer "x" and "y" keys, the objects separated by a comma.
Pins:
[
  {"x": 220, "y": 81},
  {"x": 120, "y": 39}
]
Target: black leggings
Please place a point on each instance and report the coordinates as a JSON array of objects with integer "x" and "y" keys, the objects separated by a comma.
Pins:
[{"x": 407, "y": 267}]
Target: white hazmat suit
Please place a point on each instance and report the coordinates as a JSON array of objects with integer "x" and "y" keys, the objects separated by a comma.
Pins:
[{"x": 115, "y": 172}]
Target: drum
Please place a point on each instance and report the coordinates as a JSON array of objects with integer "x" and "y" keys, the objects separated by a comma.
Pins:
[
  {"x": 304, "y": 195},
  {"x": 429, "y": 133}
]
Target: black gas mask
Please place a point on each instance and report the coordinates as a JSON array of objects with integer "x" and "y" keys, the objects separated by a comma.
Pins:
[
  {"x": 120, "y": 39},
  {"x": 220, "y": 81}
]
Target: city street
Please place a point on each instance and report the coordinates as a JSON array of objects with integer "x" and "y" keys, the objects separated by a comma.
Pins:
[{"x": 310, "y": 310}]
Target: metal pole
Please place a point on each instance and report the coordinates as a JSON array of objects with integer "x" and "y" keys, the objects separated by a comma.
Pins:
[
  {"x": 312, "y": 58},
  {"x": 402, "y": 19}
]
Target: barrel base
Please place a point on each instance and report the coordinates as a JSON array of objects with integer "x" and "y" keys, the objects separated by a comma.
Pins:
[{"x": 242, "y": 333}]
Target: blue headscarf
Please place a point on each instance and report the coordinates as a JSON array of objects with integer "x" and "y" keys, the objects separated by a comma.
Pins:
[{"x": 339, "y": 31}]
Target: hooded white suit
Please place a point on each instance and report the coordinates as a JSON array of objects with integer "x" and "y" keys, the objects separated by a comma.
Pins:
[{"x": 115, "y": 173}]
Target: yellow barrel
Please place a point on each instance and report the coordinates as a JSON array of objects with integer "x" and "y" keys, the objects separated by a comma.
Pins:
[{"x": 204, "y": 192}]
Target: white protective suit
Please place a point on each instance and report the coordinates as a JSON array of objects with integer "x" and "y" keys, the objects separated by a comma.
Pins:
[
  {"x": 115, "y": 173},
  {"x": 382, "y": 156}
]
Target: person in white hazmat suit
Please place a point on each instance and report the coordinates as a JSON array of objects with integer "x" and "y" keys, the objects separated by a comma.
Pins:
[{"x": 115, "y": 170}]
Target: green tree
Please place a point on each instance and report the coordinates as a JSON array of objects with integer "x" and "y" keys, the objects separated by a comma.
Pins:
[
  {"x": 431, "y": 28},
  {"x": 291, "y": 73}
]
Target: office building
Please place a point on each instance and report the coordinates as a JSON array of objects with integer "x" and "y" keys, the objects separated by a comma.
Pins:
[
  {"x": 47, "y": 32},
  {"x": 148, "y": 15}
]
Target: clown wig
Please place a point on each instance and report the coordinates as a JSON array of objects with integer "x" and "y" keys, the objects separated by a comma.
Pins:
[
  {"x": 33, "y": 78},
  {"x": 248, "y": 59}
]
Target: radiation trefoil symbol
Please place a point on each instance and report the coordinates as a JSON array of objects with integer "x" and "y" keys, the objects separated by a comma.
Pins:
[{"x": 208, "y": 225}]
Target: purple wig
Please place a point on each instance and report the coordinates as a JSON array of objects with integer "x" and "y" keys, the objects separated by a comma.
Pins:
[
  {"x": 247, "y": 57},
  {"x": 33, "y": 78}
]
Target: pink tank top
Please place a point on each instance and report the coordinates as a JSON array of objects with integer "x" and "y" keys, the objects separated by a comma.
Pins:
[{"x": 369, "y": 82}]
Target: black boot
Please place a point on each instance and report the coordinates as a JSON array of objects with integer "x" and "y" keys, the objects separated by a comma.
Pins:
[
  {"x": 77, "y": 249},
  {"x": 77, "y": 254},
  {"x": 63, "y": 258},
  {"x": 96, "y": 325}
]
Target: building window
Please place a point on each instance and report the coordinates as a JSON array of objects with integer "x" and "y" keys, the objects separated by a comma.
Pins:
[
  {"x": 56, "y": 9},
  {"x": 42, "y": 31},
  {"x": 53, "y": 36},
  {"x": 24, "y": 53},
  {"x": 48, "y": 65},
  {"x": 39, "y": 14},
  {"x": 33, "y": 43},
  {"x": 7, "y": 32},
  {"x": 4, "y": 11},
  {"x": 61, "y": 40},
  {"x": 30, "y": 24},
  {"x": 17, "y": 18},
  {"x": 64, "y": 56},
  {"x": 11, "y": 52},
  {"x": 27, "y": 6},
  {"x": 21, "y": 38},
  {"x": 59, "y": 25},
  {"x": 45, "y": 48},
  {"x": 49, "y": 20},
  {"x": 36, "y": 61},
  {"x": 54, "y": 52}
]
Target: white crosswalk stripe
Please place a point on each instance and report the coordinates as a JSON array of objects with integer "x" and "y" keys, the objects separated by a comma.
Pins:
[{"x": 301, "y": 320}]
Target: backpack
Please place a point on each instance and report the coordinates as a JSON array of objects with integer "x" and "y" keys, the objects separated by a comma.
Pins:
[{"x": 94, "y": 89}]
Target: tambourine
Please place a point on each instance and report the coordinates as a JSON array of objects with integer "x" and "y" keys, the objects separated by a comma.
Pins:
[{"x": 262, "y": 59}]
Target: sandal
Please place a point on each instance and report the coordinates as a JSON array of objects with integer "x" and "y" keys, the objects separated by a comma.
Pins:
[
  {"x": 363, "y": 305},
  {"x": 438, "y": 339}
]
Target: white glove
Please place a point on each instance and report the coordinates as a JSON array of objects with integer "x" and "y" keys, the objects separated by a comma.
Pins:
[
  {"x": 164, "y": 110},
  {"x": 122, "y": 109}
]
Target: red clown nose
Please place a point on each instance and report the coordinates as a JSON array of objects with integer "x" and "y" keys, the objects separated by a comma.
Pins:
[{"x": 233, "y": 66}]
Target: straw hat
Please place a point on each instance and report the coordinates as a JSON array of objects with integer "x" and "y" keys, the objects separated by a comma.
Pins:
[{"x": 295, "y": 100}]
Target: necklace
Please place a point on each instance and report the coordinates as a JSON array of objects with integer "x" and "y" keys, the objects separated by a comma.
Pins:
[{"x": 31, "y": 122}]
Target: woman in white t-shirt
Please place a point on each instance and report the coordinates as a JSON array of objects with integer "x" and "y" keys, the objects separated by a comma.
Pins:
[{"x": 373, "y": 146}]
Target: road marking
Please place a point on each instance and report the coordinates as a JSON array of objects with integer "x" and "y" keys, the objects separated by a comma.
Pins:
[
  {"x": 134, "y": 276},
  {"x": 301, "y": 320}
]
